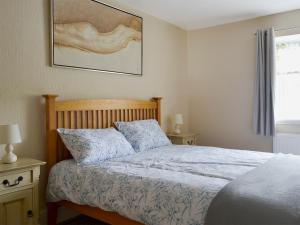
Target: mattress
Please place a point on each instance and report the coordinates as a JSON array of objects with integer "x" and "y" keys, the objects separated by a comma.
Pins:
[{"x": 171, "y": 185}]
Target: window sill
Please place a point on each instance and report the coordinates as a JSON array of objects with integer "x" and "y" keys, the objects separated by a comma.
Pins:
[{"x": 288, "y": 126}]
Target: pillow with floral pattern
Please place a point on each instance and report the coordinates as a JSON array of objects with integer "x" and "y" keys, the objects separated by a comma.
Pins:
[
  {"x": 143, "y": 134},
  {"x": 90, "y": 146}
]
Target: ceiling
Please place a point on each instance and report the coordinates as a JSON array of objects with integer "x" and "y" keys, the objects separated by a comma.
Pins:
[{"x": 195, "y": 14}]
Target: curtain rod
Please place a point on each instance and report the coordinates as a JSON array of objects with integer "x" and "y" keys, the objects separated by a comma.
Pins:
[{"x": 282, "y": 29}]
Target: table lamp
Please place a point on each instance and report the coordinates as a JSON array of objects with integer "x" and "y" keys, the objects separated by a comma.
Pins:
[
  {"x": 178, "y": 120},
  {"x": 9, "y": 135}
]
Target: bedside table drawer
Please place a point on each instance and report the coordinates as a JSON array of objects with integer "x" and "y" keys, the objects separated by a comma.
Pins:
[
  {"x": 15, "y": 180},
  {"x": 182, "y": 139}
]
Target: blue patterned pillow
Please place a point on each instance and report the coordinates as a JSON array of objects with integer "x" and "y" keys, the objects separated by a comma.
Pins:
[
  {"x": 143, "y": 134},
  {"x": 89, "y": 146}
]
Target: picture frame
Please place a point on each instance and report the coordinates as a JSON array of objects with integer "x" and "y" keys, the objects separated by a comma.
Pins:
[{"x": 91, "y": 35}]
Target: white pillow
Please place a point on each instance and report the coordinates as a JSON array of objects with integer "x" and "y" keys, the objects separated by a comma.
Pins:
[
  {"x": 89, "y": 146},
  {"x": 143, "y": 134}
]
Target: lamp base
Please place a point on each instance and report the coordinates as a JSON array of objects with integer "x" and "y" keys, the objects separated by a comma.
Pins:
[{"x": 9, "y": 157}]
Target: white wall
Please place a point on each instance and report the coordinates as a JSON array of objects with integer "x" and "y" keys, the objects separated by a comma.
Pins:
[
  {"x": 221, "y": 72},
  {"x": 25, "y": 73}
]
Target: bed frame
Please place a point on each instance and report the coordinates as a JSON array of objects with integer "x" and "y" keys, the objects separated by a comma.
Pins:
[{"x": 90, "y": 114}]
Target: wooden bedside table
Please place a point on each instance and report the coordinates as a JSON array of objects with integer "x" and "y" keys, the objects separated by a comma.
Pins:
[
  {"x": 19, "y": 195},
  {"x": 182, "y": 139}
]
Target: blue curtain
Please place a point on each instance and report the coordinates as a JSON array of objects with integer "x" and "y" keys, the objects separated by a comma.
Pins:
[{"x": 264, "y": 123}]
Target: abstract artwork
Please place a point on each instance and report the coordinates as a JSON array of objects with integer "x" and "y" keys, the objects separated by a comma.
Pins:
[{"x": 87, "y": 34}]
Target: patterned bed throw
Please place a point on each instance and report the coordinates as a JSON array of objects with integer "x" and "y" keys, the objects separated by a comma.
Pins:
[{"x": 171, "y": 185}]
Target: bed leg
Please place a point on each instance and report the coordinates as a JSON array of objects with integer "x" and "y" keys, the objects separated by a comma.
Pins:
[{"x": 52, "y": 213}]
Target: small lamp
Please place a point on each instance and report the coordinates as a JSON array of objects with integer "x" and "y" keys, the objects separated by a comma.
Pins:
[
  {"x": 178, "y": 119},
  {"x": 9, "y": 135}
]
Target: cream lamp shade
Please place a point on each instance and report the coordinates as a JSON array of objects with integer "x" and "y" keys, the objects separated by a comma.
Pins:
[
  {"x": 10, "y": 134},
  {"x": 178, "y": 120}
]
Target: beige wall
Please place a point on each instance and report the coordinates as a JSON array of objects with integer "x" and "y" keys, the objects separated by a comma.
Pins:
[
  {"x": 221, "y": 72},
  {"x": 25, "y": 73},
  {"x": 218, "y": 84}
]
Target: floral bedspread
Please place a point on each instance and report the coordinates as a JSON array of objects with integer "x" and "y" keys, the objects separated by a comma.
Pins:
[{"x": 171, "y": 185}]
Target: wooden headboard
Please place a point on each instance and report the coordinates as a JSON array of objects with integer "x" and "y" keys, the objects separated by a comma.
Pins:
[{"x": 90, "y": 114}]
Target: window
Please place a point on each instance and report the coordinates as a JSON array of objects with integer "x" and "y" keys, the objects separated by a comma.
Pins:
[{"x": 287, "y": 81}]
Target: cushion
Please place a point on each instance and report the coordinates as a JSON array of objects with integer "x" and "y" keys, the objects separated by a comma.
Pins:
[
  {"x": 89, "y": 146},
  {"x": 143, "y": 134}
]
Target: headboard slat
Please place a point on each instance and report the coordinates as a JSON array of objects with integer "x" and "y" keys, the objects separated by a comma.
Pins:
[{"x": 90, "y": 114}]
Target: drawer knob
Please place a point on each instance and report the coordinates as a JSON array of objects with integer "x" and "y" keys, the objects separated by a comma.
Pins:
[
  {"x": 7, "y": 184},
  {"x": 190, "y": 142},
  {"x": 29, "y": 213}
]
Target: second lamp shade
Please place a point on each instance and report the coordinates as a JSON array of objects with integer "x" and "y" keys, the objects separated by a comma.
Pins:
[{"x": 178, "y": 119}]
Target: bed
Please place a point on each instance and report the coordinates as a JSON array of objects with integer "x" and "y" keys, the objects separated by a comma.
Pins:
[
  {"x": 175, "y": 185},
  {"x": 166, "y": 185}
]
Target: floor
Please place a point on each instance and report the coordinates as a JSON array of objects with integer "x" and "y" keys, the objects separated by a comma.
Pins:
[{"x": 82, "y": 220}]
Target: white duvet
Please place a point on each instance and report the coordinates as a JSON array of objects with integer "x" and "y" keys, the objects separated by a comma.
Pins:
[{"x": 171, "y": 185}]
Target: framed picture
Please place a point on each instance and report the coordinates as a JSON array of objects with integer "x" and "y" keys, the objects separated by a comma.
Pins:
[{"x": 88, "y": 34}]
